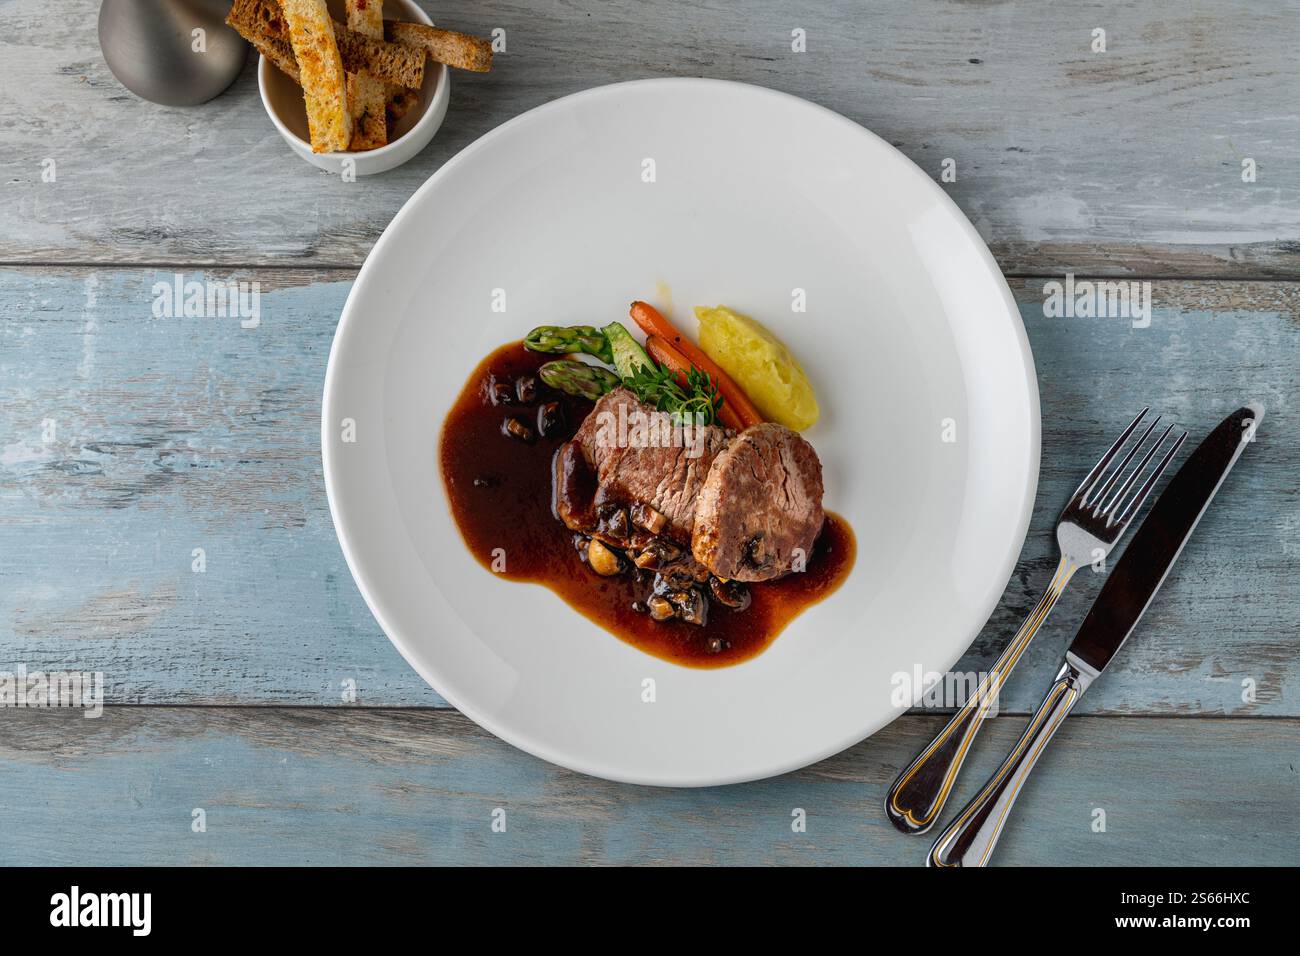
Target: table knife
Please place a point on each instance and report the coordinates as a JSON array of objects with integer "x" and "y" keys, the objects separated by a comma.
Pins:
[{"x": 969, "y": 840}]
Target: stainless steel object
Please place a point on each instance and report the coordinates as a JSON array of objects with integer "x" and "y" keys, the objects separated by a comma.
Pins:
[
  {"x": 153, "y": 49},
  {"x": 1094, "y": 519},
  {"x": 1132, "y": 583}
]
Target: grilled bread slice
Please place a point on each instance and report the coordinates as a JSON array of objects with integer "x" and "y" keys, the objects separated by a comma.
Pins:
[
  {"x": 324, "y": 82},
  {"x": 460, "y": 50},
  {"x": 251, "y": 19},
  {"x": 367, "y": 96},
  {"x": 400, "y": 102},
  {"x": 393, "y": 62}
]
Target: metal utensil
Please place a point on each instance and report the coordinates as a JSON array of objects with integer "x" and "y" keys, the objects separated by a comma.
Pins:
[
  {"x": 1128, "y": 591},
  {"x": 1093, "y": 521},
  {"x": 173, "y": 52}
]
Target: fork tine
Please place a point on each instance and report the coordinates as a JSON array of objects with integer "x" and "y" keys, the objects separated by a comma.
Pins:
[
  {"x": 1133, "y": 475},
  {"x": 1098, "y": 495},
  {"x": 1134, "y": 506},
  {"x": 1106, "y": 459}
]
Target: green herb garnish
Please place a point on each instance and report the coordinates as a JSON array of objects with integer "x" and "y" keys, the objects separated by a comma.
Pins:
[{"x": 699, "y": 400}]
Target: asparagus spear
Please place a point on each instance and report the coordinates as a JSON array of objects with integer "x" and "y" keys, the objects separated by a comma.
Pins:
[
  {"x": 562, "y": 340},
  {"x": 578, "y": 378}
]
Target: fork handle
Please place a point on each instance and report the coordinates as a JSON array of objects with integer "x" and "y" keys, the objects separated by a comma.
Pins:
[
  {"x": 920, "y": 791},
  {"x": 970, "y": 838}
]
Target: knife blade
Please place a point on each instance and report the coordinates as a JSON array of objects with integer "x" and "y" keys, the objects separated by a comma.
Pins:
[
  {"x": 969, "y": 840},
  {"x": 1137, "y": 576}
]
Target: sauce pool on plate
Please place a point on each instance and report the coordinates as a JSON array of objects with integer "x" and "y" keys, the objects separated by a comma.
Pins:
[{"x": 499, "y": 486}]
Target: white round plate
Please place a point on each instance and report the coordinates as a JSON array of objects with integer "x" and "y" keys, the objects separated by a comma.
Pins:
[{"x": 910, "y": 337}]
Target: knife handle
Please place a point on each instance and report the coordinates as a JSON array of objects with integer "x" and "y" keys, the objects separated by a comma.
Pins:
[
  {"x": 971, "y": 837},
  {"x": 919, "y": 793}
]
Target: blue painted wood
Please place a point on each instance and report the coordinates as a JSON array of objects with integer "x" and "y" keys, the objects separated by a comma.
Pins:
[
  {"x": 176, "y": 434},
  {"x": 126, "y": 442},
  {"x": 318, "y": 786},
  {"x": 172, "y": 435}
]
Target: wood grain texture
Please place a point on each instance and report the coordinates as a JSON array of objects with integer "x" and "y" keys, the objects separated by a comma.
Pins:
[
  {"x": 1127, "y": 161},
  {"x": 176, "y": 434},
  {"x": 347, "y": 787},
  {"x": 127, "y": 441}
]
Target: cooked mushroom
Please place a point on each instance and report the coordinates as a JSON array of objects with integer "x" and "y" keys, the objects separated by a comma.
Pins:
[
  {"x": 526, "y": 389},
  {"x": 657, "y": 553},
  {"x": 660, "y": 608},
  {"x": 756, "y": 554},
  {"x": 501, "y": 393},
  {"x": 731, "y": 593},
  {"x": 517, "y": 429},
  {"x": 580, "y": 542},
  {"x": 643, "y": 516},
  {"x": 550, "y": 418},
  {"x": 615, "y": 524},
  {"x": 691, "y": 605},
  {"x": 674, "y": 577},
  {"x": 602, "y": 560}
]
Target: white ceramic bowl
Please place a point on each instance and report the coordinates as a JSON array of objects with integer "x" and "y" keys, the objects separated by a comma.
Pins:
[
  {"x": 282, "y": 99},
  {"x": 551, "y": 218}
]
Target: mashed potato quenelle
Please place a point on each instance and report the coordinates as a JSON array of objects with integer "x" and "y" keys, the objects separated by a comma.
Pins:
[{"x": 759, "y": 363}]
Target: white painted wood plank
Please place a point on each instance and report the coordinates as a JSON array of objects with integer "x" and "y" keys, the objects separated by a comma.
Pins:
[{"x": 1128, "y": 160}]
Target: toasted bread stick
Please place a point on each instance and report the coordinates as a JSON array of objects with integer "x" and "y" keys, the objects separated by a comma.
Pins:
[
  {"x": 400, "y": 102},
  {"x": 392, "y": 62},
  {"x": 247, "y": 18},
  {"x": 367, "y": 96},
  {"x": 324, "y": 81},
  {"x": 460, "y": 50}
]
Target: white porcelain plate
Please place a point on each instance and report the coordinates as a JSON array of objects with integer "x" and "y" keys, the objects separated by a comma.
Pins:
[{"x": 701, "y": 192}]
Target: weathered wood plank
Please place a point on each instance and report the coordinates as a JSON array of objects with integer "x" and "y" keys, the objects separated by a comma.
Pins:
[
  {"x": 349, "y": 787},
  {"x": 1210, "y": 348},
  {"x": 1115, "y": 162},
  {"x": 171, "y": 435},
  {"x": 176, "y": 434}
]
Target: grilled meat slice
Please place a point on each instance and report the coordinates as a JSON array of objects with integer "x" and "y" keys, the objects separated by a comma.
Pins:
[
  {"x": 760, "y": 509},
  {"x": 634, "y": 462}
]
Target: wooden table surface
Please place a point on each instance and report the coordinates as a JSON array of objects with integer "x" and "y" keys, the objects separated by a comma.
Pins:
[{"x": 224, "y": 688}]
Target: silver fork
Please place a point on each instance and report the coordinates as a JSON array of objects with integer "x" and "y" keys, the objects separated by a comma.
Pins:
[{"x": 1094, "y": 519}]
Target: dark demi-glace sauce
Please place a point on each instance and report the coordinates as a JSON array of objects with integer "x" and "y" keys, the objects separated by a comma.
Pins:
[{"x": 500, "y": 493}]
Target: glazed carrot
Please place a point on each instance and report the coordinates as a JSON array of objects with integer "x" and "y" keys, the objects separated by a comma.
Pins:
[
  {"x": 679, "y": 365},
  {"x": 652, "y": 322}
]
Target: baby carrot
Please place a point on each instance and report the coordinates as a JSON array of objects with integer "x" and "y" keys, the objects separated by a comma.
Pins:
[
  {"x": 679, "y": 365},
  {"x": 652, "y": 322}
]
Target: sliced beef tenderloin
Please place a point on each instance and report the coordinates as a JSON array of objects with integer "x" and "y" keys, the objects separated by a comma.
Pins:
[
  {"x": 636, "y": 464},
  {"x": 761, "y": 506}
]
